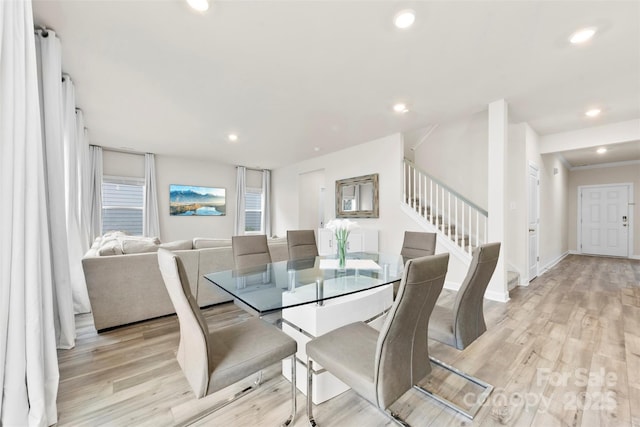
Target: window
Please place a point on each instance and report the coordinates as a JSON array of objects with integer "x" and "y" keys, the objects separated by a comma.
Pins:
[
  {"x": 253, "y": 211},
  {"x": 122, "y": 204}
]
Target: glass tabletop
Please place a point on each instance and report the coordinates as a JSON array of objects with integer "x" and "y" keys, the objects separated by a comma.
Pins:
[{"x": 279, "y": 285}]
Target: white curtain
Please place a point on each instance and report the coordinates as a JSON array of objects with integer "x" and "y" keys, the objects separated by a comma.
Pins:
[
  {"x": 28, "y": 361},
  {"x": 85, "y": 176},
  {"x": 266, "y": 202},
  {"x": 151, "y": 222},
  {"x": 95, "y": 191},
  {"x": 241, "y": 179},
  {"x": 72, "y": 194},
  {"x": 49, "y": 58}
]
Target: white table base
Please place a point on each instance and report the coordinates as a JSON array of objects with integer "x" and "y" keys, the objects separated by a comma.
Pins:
[{"x": 311, "y": 320}]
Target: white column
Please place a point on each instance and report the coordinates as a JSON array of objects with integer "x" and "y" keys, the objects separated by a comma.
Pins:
[{"x": 498, "y": 131}]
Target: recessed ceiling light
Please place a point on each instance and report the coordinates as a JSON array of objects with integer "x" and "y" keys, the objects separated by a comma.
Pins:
[
  {"x": 594, "y": 112},
  {"x": 400, "y": 108},
  {"x": 316, "y": 149},
  {"x": 601, "y": 150},
  {"x": 582, "y": 35},
  {"x": 232, "y": 137},
  {"x": 199, "y": 5},
  {"x": 404, "y": 18}
]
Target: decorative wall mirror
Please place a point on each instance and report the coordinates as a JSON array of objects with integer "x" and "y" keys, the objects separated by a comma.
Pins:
[{"x": 357, "y": 197}]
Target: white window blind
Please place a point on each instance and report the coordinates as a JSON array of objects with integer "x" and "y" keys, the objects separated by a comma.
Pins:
[
  {"x": 122, "y": 204},
  {"x": 253, "y": 211}
]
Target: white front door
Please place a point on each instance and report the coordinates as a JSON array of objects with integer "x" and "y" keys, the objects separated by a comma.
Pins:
[
  {"x": 604, "y": 229},
  {"x": 532, "y": 220}
]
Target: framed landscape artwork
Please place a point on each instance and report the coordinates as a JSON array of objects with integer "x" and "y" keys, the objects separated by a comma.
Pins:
[{"x": 189, "y": 200}]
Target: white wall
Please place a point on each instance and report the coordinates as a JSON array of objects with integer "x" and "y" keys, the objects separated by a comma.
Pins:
[
  {"x": 175, "y": 170},
  {"x": 553, "y": 240},
  {"x": 554, "y": 194},
  {"x": 382, "y": 156},
  {"x": 516, "y": 236},
  {"x": 116, "y": 163},
  {"x": 456, "y": 153},
  {"x": 206, "y": 173},
  {"x": 595, "y": 176}
]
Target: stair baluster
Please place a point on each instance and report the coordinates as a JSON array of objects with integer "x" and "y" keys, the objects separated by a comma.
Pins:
[{"x": 432, "y": 201}]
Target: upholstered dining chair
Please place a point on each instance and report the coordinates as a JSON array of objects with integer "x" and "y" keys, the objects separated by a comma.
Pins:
[
  {"x": 213, "y": 360},
  {"x": 301, "y": 244},
  {"x": 464, "y": 323},
  {"x": 382, "y": 366},
  {"x": 461, "y": 325},
  {"x": 249, "y": 251},
  {"x": 418, "y": 244}
]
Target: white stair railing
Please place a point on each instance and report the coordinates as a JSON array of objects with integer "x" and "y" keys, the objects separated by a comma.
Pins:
[{"x": 453, "y": 215}]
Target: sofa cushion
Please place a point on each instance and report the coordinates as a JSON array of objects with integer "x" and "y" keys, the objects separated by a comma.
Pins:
[
  {"x": 138, "y": 246},
  {"x": 119, "y": 243},
  {"x": 177, "y": 245},
  {"x": 110, "y": 247},
  {"x": 205, "y": 242}
]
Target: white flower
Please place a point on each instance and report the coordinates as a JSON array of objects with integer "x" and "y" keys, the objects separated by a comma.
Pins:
[{"x": 341, "y": 227}]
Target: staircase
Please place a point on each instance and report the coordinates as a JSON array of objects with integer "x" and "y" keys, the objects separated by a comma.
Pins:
[
  {"x": 513, "y": 279},
  {"x": 457, "y": 220}
]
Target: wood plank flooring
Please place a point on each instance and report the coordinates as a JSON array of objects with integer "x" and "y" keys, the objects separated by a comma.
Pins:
[{"x": 564, "y": 351}]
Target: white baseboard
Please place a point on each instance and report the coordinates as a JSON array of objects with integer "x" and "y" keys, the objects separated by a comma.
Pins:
[
  {"x": 553, "y": 262},
  {"x": 575, "y": 252},
  {"x": 496, "y": 296}
]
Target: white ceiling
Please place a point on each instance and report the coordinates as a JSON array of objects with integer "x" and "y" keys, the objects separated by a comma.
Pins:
[
  {"x": 622, "y": 152},
  {"x": 289, "y": 76}
]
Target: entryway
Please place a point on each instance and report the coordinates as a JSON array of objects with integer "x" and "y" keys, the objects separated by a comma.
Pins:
[{"x": 604, "y": 219}]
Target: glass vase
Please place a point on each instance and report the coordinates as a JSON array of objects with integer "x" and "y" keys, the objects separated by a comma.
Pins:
[{"x": 342, "y": 253}]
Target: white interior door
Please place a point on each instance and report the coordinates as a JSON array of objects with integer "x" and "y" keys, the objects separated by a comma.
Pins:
[
  {"x": 533, "y": 220},
  {"x": 311, "y": 200},
  {"x": 604, "y": 226}
]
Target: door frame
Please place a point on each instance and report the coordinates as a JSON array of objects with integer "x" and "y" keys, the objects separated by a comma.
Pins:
[
  {"x": 630, "y": 204},
  {"x": 534, "y": 166}
]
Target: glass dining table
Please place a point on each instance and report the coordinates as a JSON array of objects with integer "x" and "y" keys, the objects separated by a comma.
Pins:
[
  {"x": 286, "y": 284},
  {"x": 312, "y": 297}
]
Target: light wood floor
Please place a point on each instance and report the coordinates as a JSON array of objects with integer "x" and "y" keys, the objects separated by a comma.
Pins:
[{"x": 564, "y": 351}]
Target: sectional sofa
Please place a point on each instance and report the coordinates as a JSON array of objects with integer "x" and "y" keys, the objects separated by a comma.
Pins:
[{"x": 124, "y": 281}]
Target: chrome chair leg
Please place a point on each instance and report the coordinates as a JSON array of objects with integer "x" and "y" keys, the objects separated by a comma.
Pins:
[
  {"x": 257, "y": 383},
  {"x": 294, "y": 406},
  {"x": 223, "y": 403},
  {"x": 471, "y": 413},
  {"x": 312, "y": 421},
  {"x": 396, "y": 418},
  {"x": 258, "y": 380}
]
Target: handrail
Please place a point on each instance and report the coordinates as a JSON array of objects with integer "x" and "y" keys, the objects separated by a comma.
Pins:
[{"x": 445, "y": 186}]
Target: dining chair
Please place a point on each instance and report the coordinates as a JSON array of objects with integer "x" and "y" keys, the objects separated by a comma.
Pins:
[
  {"x": 382, "y": 365},
  {"x": 301, "y": 244},
  {"x": 461, "y": 325},
  {"x": 418, "y": 244},
  {"x": 249, "y": 251},
  {"x": 213, "y": 360}
]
